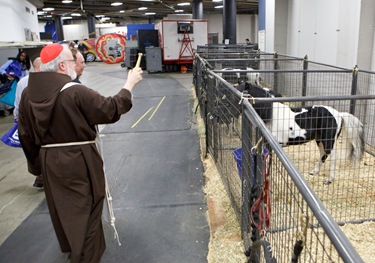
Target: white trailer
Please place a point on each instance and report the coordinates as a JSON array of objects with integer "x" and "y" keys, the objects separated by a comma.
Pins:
[{"x": 179, "y": 39}]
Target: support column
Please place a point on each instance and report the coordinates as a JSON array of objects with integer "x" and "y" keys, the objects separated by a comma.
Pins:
[
  {"x": 91, "y": 26},
  {"x": 151, "y": 19},
  {"x": 59, "y": 28},
  {"x": 230, "y": 21},
  {"x": 197, "y": 9}
]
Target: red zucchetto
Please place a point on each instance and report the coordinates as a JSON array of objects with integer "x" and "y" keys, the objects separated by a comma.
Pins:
[{"x": 50, "y": 52}]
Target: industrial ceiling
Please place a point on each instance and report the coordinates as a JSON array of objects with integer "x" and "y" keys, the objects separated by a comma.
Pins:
[{"x": 129, "y": 10}]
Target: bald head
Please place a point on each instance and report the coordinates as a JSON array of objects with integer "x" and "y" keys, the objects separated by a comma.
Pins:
[{"x": 36, "y": 64}]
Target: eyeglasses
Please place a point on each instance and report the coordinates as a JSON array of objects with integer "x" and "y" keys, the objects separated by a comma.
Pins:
[{"x": 73, "y": 60}]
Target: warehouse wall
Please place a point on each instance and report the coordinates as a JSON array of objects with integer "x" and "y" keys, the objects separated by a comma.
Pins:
[
  {"x": 281, "y": 23},
  {"x": 247, "y": 27},
  {"x": 15, "y": 19},
  {"x": 76, "y": 31},
  {"x": 366, "y": 42},
  {"x": 337, "y": 32}
]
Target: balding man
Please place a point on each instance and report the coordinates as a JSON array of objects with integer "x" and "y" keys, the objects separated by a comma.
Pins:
[{"x": 57, "y": 130}]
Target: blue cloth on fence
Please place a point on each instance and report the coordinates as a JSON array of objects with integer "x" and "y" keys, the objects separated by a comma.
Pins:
[
  {"x": 10, "y": 96},
  {"x": 237, "y": 154},
  {"x": 11, "y": 137}
]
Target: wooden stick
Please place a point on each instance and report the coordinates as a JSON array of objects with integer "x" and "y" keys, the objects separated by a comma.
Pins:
[{"x": 138, "y": 60}]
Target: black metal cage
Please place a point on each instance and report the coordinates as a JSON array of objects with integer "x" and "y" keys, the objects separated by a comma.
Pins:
[{"x": 282, "y": 209}]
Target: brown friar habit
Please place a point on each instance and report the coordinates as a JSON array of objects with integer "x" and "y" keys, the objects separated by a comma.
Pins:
[{"x": 73, "y": 175}]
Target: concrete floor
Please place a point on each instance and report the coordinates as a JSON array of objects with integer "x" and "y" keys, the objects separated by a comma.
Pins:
[{"x": 154, "y": 170}]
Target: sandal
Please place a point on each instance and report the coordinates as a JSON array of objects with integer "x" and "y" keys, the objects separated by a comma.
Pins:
[{"x": 38, "y": 182}]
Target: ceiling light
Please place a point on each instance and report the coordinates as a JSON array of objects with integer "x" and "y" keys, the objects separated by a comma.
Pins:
[
  {"x": 215, "y": 1},
  {"x": 116, "y": 4},
  {"x": 122, "y": 11},
  {"x": 183, "y": 4},
  {"x": 48, "y": 9},
  {"x": 67, "y": 1},
  {"x": 142, "y": 8},
  {"x": 106, "y": 18},
  {"x": 66, "y": 17},
  {"x": 75, "y": 14},
  {"x": 150, "y": 14},
  {"x": 40, "y": 13},
  {"x": 219, "y": 6},
  {"x": 178, "y": 11}
]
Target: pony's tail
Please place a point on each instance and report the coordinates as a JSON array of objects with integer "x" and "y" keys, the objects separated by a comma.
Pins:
[{"x": 353, "y": 137}]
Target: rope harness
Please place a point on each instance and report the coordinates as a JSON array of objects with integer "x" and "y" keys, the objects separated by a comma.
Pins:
[
  {"x": 262, "y": 208},
  {"x": 107, "y": 206}
]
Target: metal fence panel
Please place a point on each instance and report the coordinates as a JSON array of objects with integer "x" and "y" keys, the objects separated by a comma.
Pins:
[
  {"x": 302, "y": 208},
  {"x": 293, "y": 214}
]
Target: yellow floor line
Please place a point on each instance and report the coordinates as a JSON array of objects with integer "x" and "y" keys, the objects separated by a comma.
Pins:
[
  {"x": 135, "y": 124},
  {"x": 152, "y": 115}
]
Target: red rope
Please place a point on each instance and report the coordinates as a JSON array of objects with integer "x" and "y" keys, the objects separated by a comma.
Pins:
[{"x": 264, "y": 197}]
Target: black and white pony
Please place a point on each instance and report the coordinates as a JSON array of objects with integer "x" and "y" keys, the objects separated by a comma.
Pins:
[{"x": 324, "y": 124}]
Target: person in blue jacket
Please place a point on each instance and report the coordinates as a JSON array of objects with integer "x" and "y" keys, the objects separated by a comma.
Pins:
[{"x": 16, "y": 67}]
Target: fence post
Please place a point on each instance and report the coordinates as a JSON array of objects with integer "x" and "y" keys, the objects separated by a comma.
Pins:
[
  {"x": 210, "y": 128},
  {"x": 256, "y": 186},
  {"x": 203, "y": 108},
  {"x": 247, "y": 173},
  {"x": 275, "y": 75},
  {"x": 354, "y": 88},
  {"x": 304, "y": 77},
  {"x": 196, "y": 81},
  {"x": 215, "y": 125},
  {"x": 246, "y": 133},
  {"x": 248, "y": 177}
]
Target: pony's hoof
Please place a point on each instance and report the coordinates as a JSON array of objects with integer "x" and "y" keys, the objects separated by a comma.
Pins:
[{"x": 327, "y": 182}]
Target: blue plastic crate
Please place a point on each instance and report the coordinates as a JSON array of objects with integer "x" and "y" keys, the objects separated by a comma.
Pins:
[{"x": 237, "y": 153}]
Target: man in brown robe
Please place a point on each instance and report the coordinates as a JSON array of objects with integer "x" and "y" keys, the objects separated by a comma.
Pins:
[{"x": 57, "y": 133}]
